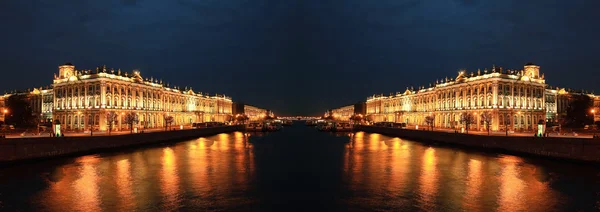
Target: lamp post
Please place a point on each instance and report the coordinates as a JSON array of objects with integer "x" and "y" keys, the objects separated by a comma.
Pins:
[
  {"x": 79, "y": 120},
  {"x": 594, "y": 119},
  {"x": 476, "y": 120},
  {"x": 507, "y": 120},
  {"x": 89, "y": 110},
  {"x": 121, "y": 120},
  {"x": 5, "y": 111},
  {"x": 519, "y": 116}
]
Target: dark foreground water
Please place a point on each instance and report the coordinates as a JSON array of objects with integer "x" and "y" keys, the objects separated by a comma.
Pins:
[{"x": 299, "y": 169}]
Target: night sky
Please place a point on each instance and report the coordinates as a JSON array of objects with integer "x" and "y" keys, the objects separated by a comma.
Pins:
[{"x": 299, "y": 57}]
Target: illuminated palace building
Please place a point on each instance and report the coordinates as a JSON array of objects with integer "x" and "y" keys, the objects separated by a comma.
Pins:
[
  {"x": 83, "y": 98},
  {"x": 514, "y": 98},
  {"x": 39, "y": 99},
  {"x": 252, "y": 112}
]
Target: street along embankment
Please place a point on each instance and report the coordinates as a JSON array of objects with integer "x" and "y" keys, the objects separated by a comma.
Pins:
[{"x": 16, "y": 149}]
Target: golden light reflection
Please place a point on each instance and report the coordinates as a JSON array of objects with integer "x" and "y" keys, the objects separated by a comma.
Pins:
[
  {"x": 169, "y": 178},
  {"x": 474, "y": 181},
  {"x": 198, "y": 166},
  {"x": 74, "y": 186},
  {"x": 396, "y": 143},
  {"x": 399, "y": 166},
  {"x": 511, "y": 187},
  {"x": 374, "y": 142},
  {"x": 86, "y": 187},
  {"x": 428, "y": 179},
  {"x": 123, "y": 181},
  {"x": 222, "y": 141}
]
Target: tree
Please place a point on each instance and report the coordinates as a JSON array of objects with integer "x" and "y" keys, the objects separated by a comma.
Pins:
[
  {"x": 111, "y": 117},
  {"x": 241, "y": 118},
  {"x": 486, "y": 119},
  {"x": 357, "y": 118},
  {"x": 131, "y": 118},
  {"x": 466, "y": 119},
  {"x": 507, "y": 121},
  {"x": 168, "y": 120},
  {"x": 20, "y": 112},
  {"x": 430, "y": 120},
  {"x": 578, "y": 111}
]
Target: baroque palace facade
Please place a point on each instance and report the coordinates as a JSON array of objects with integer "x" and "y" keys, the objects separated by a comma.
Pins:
[
  {"x": 252, "y": 112},
  {"x": 515, "y": 99},
  {"x": 40, "y": 100},
  {"x": 345, "y": 113},
  {"x": 83, "y": 98}
]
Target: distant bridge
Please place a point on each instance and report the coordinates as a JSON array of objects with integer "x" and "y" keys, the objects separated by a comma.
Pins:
[{"x": 304, "y": 118}]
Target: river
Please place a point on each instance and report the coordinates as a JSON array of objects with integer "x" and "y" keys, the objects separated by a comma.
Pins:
[{"x": 299, "y": 168}]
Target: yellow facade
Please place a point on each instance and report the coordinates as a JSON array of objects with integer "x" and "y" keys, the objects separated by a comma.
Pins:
[
  {"x": 514, "y": 98},
  {"x": 343, "y": 113},
  {"x": 559, "y": 99},
  {"x": 83, "y": 98},
  {"x": 254, "y": 113}
]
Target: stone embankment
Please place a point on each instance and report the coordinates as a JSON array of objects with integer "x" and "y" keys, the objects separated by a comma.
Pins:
[
  {"x": 580, "y": 149},
  {"x": 15, "y": 149}
]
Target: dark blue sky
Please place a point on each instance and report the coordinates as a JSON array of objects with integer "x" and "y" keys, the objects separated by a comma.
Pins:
[{"x": 299, "y": 57}]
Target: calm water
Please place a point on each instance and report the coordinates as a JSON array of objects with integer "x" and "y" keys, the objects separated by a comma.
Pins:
[{"x": 299, "y": 169}]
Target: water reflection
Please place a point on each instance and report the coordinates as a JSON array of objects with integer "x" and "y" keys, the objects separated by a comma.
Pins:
[
  {"x": 156, "y": 178},
  {"x": 124, "y": 181},
  {"x": 169, "y": 179},
  {"x": 473, "y": 184},
  {"x": 252, "y": 171},
  {"x": 418, "y": 177},
  {"x": 77, "y": 189},
  {"x": 428, "y": 180}
]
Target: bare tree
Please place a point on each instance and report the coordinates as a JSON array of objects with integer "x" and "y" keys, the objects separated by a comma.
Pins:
[
  {"x": 168, "y": 120},
  {"x": 131, "y": 118},
  {"x": 241, "y": 118},
  {"x": 507, "y": 121},
  {"x": 111, "y": 117},
  {"x": 430, "y": 120},
  {"x": 466, "y": 119},
  {"x": 357, "y": 118},
  {"x": 486, "y": 118}
]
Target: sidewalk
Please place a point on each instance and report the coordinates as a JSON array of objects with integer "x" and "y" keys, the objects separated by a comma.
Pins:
[{"x": 98, "y": 133}]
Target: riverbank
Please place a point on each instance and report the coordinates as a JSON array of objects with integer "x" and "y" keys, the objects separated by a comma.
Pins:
[
  {"x": 579, "y": 149},
  {"x": 17, "y": 149}
]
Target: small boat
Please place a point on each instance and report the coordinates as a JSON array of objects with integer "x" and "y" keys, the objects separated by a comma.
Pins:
[
  {"x": 255, "y": 126},
  {"x": 287, "y": 122},
  {"x": 342, "y": 127},
  {"x": 325, "y": 126},
  {"x": 271, "y": 126}
]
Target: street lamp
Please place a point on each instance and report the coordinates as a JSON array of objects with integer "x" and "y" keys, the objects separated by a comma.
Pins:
[
  {"x": 5, "y": 111},
  {"x": 79, "y": 119},
  {"x": 89, "y": 111},
  {"x": 521, "y": 119},
  {"x": 594, "y": 119}
]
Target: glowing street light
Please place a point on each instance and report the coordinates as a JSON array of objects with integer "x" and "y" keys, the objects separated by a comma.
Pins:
[{"x": 5, "y": 111}]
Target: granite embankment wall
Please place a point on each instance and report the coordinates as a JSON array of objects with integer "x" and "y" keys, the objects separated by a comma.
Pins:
[
  {"x": 15, "y": 149},
  {"x": 581, "y": 149}
]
